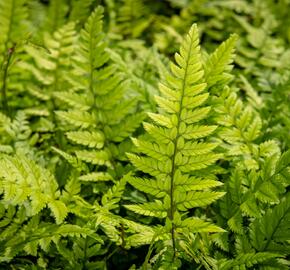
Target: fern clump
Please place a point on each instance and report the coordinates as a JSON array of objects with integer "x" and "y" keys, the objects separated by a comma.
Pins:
[{"x": 120, "y": 151}]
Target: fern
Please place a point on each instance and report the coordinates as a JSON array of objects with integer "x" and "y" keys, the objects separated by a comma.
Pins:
[
  {"x": 218, "y": 65},
  {"x": 247, "y": 260},
  {"x": 173, "y": 154},
  {"x": 36, "y": 234},
  {"x": 26, "y": 183},
  {"x": 17, "y": 135},
  {"x": 272, "y": 229},
  {"x": 13, "y": 15},
  {"x": 81, "y": 10},
  {"x": 248, "y": 201},
  {"x": 130, "y": 18},
  {"x": 103, "y": 119},
  {"x": 54, "y": 60},
  {"x": 55, "y": 15},
  {"x": 46, "y": 68},
  {"x": 204, "y": 184}
]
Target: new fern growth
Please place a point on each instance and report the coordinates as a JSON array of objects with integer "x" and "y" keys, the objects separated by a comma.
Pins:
[{"x": 178, "y": 146}]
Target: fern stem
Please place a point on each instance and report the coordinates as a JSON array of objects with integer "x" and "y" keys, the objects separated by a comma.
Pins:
[
  {"x": 112, "y": 253},
  {"x": 150, "y": 250},
  {"x": 58, "y": 133},
  {"x": 9, "y": 52},
  {"x": 91, "y": 58},
  {"x": 5, "y": 68},
  {"x": 173, "y": 166},
  {"x": 123, "y": 243},
  {"x": 59, "y": 138},
  {"x": 85, "y": 253}
]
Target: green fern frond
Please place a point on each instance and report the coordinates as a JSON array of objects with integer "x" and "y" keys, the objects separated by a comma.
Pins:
[
  {"x": 101, "y": 157},
  {"x": 77, "y": 118},
  {"x": 96, "y": 176},
  {"x": 80, "y": 11},
  {"x": 56, "y": 14},
  {"x": 14, "y": 30},
  {"x": 219, "y": 63},
  {"x": 259, "y": 198},
  {"x": 241, "y": 129},
  {"x": 86, "y": 138},
  {"x": 13, "y": 15},
  {"x": 99, "y": 113},
  {"x": 130, "y": 18},
  {"x": 152, "y": 209},
  {"x": 26, "y": 183},
  {"x": 73, "y": 100},
  {"x": 173, "y": 152},
  {"x": 141, "y": 234},
  {"x": 273, "y": 228},
  {"x": 197, "y": 225},
  {"x": 39, "y": 234},
  {"x": 50, "y": 66},
  {"x": 248, "y": 260},
  {"x": 72, "y": 160},
  {"x": 113, "y": 195}
]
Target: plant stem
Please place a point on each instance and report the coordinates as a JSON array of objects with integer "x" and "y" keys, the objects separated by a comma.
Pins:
[
  {"x": 85, "y": 253},
  {"x": 5, "y": 68}
]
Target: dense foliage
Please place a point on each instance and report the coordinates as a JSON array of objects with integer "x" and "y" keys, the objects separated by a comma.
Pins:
[{"x": 144, "y": 134}]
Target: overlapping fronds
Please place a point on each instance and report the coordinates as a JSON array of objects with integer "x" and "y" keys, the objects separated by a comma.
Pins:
[{"x": 202, "y": 184}]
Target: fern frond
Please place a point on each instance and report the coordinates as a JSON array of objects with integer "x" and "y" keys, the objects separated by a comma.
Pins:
[
  {"x": 153, "y": 209},
  {"x": 80, "y": 11},
  {"x": 241, "y": 129},
  {"x": 130, "y": 17},
  {"x": 220, "y": 61},
  {"x": 95, "y": 157},
  {"x": 73, "y": 100},
  {"x": 96, "y": 176},
  {"x": 177, "y": 146},
  {"x": 48, "y": 67},
  {"x": 72, "y": 160},
  {"x": 90, "y": 139},
  {"x": 77, "y": 118},
  {"x": 197, "y": 225},
  {"x": 197, "y": 199},
  {"x": 273, "y": 228},
  {"x": 142, "y": 234},
  {"x": 56, "y": 14},
  {"x": 99, "y": 112},
  {"x": 113, "y": 195},
  {"x": 24, "y": 182},
  {"x": 13, "y": 14},
  {"x": 248, "y": 260},
  {"x": 39, "y": 234}
]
